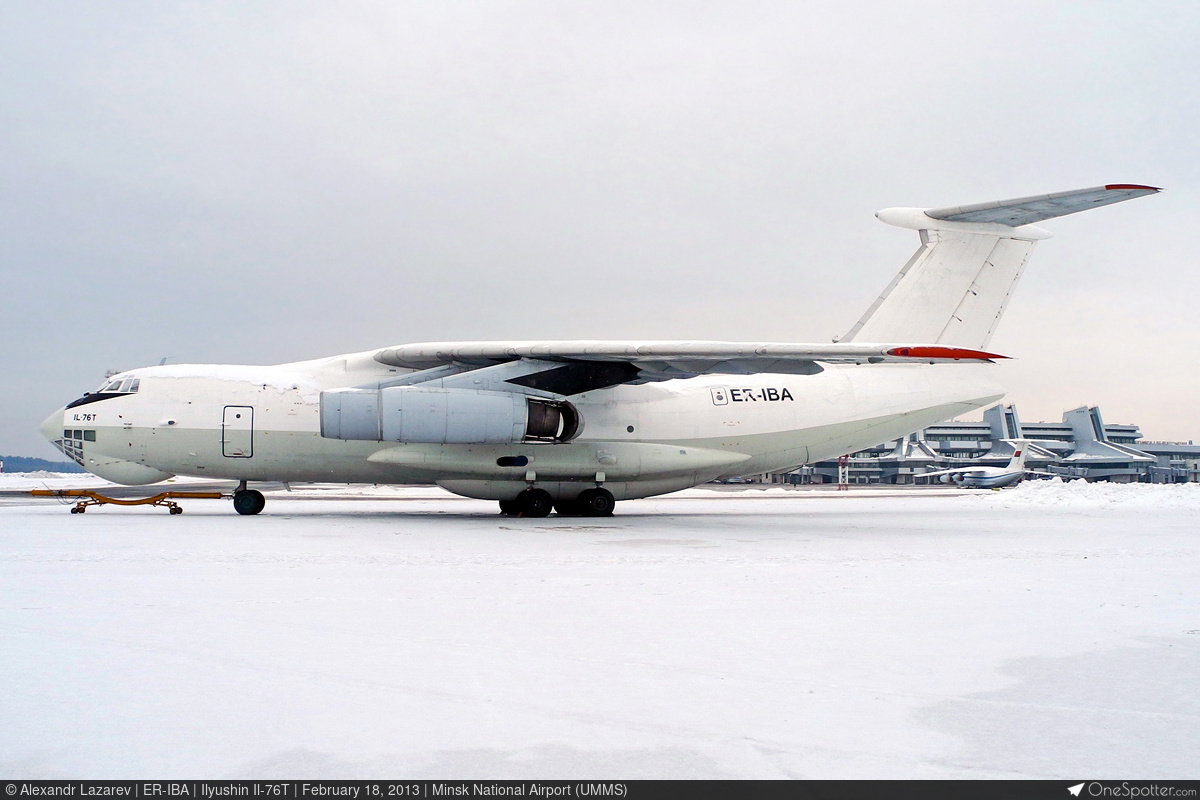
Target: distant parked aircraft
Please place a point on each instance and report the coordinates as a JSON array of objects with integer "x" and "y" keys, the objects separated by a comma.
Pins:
[
  {"x": 989, "y": 477},
  {"x": 578, "y": 425}
]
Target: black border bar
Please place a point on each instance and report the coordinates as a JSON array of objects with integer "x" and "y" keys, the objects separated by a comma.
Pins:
[{"x": 594, "y": 789}]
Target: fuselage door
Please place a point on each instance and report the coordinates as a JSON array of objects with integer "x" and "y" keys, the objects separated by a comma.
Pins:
[{"x": 237, "y": 432}]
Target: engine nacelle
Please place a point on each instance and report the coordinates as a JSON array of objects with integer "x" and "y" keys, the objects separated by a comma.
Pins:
[{"x": 413, "y": 414}]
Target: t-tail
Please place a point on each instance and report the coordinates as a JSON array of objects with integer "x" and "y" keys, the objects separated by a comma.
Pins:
[
  {"x": 1020, "y": 451},
  {"x": 955, "y": 288}
]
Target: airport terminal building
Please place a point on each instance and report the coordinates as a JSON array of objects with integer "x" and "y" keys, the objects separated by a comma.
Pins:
[{"x": 1081, "y": 446}]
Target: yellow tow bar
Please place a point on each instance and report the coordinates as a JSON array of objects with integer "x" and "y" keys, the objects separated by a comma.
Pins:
[{"x": 165, "y": 499}]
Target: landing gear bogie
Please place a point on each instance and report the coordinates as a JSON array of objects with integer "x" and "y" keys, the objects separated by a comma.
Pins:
[
  {"x": 535, "y": 503},
  {"x": 529, "y": 503},
  {"x": 596, "y": 502}
]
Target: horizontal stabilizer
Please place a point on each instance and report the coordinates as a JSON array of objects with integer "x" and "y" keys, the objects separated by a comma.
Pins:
[{"x": 1028, "y": 210}]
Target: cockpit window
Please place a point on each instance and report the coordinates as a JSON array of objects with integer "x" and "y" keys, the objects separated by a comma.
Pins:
[
  {"x": 110, "y": 389},
  {"x": 127, "y": 386}
]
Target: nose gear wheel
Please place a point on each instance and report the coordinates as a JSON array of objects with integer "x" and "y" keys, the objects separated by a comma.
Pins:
[{"x": 248, "y": 501}]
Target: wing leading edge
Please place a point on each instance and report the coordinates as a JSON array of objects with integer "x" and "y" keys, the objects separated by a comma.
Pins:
[{"x": 635, "y": 362}]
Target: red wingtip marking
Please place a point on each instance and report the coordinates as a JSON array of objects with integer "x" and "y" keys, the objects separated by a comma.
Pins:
[
  {"x": 1116, "y": 186},
  {"x": 956, "y": 353}
]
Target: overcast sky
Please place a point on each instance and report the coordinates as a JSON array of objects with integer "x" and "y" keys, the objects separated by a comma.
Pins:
[{"x": 268, "y": 182}]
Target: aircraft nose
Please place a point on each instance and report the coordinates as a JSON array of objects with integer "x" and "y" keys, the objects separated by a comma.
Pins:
[{"x": 52, "y": 426}]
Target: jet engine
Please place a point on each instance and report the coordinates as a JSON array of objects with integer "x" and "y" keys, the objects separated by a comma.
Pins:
[{"x": 414, "y": 414}]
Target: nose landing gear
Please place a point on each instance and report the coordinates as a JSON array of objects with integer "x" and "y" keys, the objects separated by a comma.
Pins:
[{"x": 248, "y": 501}]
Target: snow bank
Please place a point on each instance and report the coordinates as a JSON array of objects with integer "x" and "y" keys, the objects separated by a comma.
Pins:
[
  {"x": 23, "y": 481},
  {"x": 40, "y": 473},
  {"x": 1056, "y": 492},
  {"x": 41, "y": 479}
]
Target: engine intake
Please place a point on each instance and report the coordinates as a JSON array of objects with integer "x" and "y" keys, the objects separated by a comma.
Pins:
[{"x": 417, "y": 415}]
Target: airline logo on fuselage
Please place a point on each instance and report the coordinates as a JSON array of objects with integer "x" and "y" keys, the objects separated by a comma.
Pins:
[{"x": 769, "y": 394}]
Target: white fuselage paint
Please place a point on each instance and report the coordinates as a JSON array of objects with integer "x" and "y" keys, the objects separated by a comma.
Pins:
[
  {"x": 987, "y": 478},
  {"x": 999, "y": 481},
  {"x": 639, "y": 440}
]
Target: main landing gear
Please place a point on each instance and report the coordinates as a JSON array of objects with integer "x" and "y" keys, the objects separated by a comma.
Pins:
[
  {"x": 596, "y": 503},
  {"x": 538, "y": 503},
  {"x": 248, "y": 501},
  {"x": 529, "y": 503}
]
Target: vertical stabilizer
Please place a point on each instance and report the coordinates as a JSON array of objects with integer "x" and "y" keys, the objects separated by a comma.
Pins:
[
  {"x": 1020, "y": 450},
  {"x": 955, "y": 288}
]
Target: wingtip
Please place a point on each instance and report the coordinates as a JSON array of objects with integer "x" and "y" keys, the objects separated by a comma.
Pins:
[{"x": 1131, "y": 187}]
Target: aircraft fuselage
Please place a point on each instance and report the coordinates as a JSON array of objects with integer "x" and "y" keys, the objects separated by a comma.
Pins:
[
  {"x": 1000, "y": 480},
  {"x": 264, "y": 424}
]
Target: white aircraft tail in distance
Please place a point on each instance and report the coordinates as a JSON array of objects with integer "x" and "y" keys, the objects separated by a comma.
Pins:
[{"x": 575, "y": 426}]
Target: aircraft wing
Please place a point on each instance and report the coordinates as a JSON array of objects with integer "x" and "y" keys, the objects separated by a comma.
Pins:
[
  {"x": 664, "y": 360},
  {"x": 959, "y": 471}
]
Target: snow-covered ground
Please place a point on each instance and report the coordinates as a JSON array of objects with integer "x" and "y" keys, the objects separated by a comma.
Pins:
[{"x": 1044, "y": 631}]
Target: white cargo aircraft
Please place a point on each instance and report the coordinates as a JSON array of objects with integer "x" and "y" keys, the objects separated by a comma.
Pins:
[
  {"x": 577, "y": 425},
  {"x": 989, "y": 477}
]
